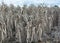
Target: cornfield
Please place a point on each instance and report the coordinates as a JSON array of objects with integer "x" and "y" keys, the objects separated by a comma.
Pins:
[{"x": 32, "y": 24}]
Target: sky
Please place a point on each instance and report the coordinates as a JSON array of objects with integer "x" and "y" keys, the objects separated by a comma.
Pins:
[{"x": 28, "y": 2}]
